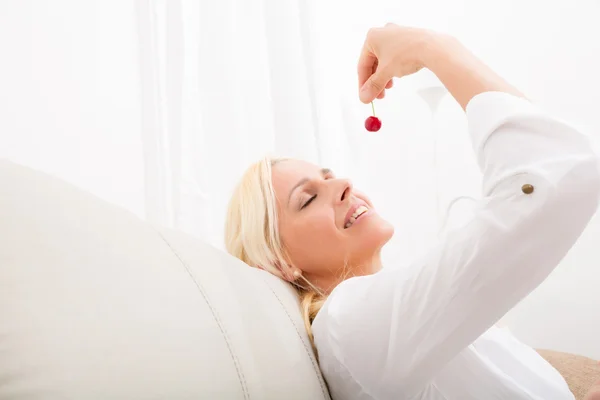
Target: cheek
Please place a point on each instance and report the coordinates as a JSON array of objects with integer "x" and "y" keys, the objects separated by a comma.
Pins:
[{"x": 312, "y": 240}]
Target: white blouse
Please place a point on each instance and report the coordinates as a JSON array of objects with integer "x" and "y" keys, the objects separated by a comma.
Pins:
[{"x": 427, "y": 331}]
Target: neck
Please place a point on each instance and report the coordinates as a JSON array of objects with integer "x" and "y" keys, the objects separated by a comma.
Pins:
[{"x": 327, "y": 282}]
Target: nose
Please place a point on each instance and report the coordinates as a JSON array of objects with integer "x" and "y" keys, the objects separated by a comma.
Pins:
[{"x": 344, "y": 190}]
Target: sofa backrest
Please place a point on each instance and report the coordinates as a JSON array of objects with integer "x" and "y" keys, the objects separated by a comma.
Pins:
[{"x": 97, "y": 304}]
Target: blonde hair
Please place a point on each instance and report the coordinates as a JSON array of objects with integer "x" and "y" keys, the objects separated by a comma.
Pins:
[{"x": 252, "y": 235}]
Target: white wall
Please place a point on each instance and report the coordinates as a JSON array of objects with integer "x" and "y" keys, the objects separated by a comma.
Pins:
[
  {"x": 69, "y": 97},
  {"x": 70, "y": 105}
]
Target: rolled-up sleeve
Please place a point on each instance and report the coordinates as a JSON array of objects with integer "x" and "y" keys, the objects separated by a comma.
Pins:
[{"x": 393, "y": 331}]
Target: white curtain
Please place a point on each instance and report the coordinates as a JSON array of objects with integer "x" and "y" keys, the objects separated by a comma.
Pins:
[{"x": 227, "y": 82}]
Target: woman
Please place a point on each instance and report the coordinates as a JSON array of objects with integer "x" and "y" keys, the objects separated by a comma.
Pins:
[{"x": 426, "y": 331}]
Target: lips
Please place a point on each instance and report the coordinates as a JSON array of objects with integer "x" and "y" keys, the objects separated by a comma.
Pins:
[{"x": 355, "y": 211}]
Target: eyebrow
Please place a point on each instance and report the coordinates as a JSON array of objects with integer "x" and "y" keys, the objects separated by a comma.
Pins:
[{"x": 324, "y": 171}]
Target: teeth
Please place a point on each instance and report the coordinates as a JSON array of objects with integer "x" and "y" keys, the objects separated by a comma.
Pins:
[{"x": 359, "y": 211}]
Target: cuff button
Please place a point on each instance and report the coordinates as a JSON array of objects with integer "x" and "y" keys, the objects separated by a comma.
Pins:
[{"x": 527, "y": 188}]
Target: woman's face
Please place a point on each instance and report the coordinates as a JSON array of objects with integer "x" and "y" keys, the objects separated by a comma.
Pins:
[{"x": 328, "y": 229}]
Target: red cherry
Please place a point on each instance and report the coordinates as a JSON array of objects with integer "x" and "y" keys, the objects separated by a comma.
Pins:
[{"x": 373, "y": 124}]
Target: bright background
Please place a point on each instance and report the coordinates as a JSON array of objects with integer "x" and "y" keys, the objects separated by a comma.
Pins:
[{"x": 158, "y": 106}]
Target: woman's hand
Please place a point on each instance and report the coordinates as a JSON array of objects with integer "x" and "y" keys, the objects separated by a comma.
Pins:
[
  {"x": 391, "y": 51},
  {"x": 394, "y": 51}
]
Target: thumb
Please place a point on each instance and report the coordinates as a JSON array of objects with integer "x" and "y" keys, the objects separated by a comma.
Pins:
[{"x": 374, "y": 85}]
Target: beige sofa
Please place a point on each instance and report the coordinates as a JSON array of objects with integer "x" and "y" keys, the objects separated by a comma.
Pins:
[{"x": 96, "y": 304}]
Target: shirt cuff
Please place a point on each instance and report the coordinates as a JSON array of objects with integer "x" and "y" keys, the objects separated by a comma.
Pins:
[{"x": 487, "y": 111}]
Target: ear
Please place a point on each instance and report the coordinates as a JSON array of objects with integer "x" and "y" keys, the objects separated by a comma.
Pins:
[{"x": 286, "y": 271}]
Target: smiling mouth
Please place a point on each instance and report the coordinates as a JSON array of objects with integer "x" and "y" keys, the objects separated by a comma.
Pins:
[{"x": 359, "y": 211}]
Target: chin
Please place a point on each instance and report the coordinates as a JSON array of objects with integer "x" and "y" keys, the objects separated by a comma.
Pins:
[
  {"x": 374, "y": 235},
  {"x": 384, "y": 233}
]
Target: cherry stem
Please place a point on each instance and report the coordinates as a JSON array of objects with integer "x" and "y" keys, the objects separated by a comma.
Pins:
[{"x": 373, "y": 107}]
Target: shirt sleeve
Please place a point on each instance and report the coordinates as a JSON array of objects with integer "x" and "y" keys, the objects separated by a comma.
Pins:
[{"x": 394, "y": 330}]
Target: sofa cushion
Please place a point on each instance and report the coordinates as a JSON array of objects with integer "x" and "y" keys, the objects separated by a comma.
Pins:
[{"x": 97, "y": 304}]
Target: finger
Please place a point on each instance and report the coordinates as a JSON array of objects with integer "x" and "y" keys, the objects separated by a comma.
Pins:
[
  {"x": 387, "y": 85},
  {"x": 375, "y": 85},
  {"x": 366, "y": 64}
]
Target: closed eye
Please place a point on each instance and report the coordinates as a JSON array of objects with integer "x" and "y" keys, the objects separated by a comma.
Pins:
[{"x": 308, "y": 202}]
